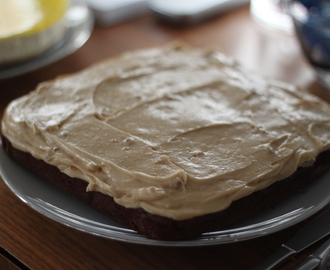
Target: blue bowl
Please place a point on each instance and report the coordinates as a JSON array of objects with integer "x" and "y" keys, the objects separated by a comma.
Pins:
[{"x": 312, "y": 24}]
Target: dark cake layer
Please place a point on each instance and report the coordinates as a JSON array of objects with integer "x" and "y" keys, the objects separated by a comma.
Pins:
[{"x": 163, "y": 228}]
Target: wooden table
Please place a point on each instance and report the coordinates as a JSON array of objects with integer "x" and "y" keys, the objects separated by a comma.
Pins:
[{"x": 30, "y": 240}]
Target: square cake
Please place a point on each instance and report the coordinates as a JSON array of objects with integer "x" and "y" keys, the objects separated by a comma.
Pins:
[{"x": 172, "y": 141}]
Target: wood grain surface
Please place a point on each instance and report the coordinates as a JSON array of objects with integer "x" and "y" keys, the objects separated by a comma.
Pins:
[{"x": 34, "y": 241}]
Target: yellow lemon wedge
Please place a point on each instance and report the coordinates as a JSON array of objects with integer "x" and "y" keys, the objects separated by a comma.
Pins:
[{"x": 29, "y": 27}]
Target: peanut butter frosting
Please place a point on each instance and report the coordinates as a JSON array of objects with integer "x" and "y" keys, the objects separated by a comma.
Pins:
[{"x": 179, "y": 132}]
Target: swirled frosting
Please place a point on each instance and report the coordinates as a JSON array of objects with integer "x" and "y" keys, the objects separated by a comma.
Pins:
[{"x": 179, "y": 132}]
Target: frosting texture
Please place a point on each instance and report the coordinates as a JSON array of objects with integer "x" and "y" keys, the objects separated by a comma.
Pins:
[{"x": 179, "y": 132}]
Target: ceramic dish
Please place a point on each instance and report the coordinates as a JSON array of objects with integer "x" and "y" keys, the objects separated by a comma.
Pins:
[{"x": 80, "y": 22}]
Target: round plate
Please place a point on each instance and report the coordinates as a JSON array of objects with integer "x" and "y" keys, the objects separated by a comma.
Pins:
[
  {"x": 80, "y": 22},
  {"x": 63, "y": 208}
]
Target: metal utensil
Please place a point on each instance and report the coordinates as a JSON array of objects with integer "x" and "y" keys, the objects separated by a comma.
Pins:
[
  {"x": 320, "y": 258},
  {"x": 314, "y": 231}
]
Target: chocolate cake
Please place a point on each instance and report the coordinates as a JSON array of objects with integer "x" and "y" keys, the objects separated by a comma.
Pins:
[{"x": 170, "y": 142}]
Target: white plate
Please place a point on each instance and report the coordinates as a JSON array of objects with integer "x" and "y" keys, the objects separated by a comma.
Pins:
[
  {"x": 80, "y": 22},
  {"x": 63, "y": 208}
]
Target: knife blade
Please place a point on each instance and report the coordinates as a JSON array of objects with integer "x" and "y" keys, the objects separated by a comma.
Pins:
[
  {"x": 314, "y": 231},
  {"x": 320, "y": 258}
]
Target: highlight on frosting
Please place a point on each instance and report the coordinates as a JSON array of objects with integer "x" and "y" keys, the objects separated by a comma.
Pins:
[{"x": 179, "y": 132}]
